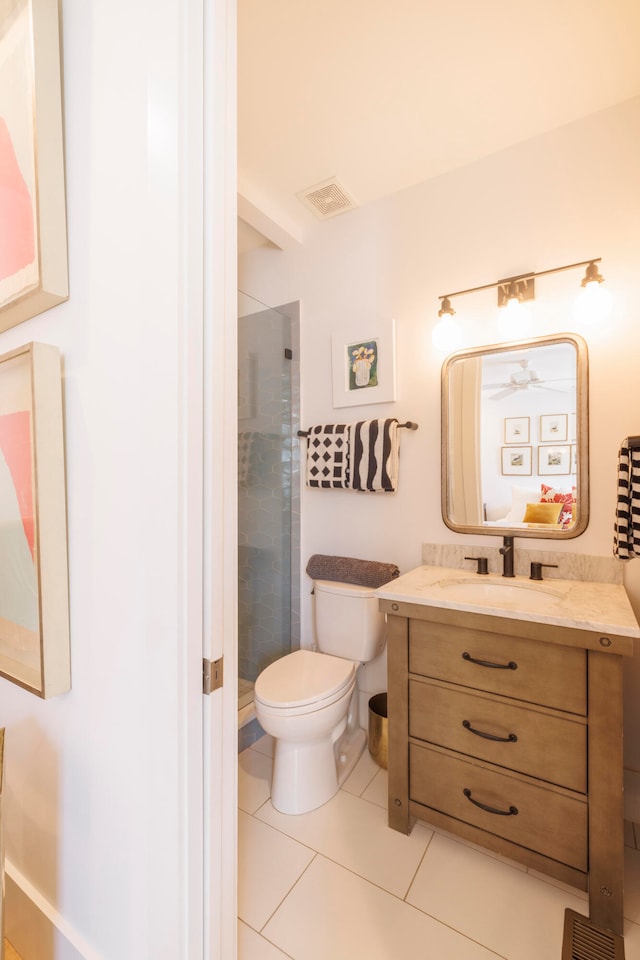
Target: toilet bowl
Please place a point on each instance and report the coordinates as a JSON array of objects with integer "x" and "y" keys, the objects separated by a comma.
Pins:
[
  {"x": 307, "y": 701},
  {"x": 302, "y": 701}
]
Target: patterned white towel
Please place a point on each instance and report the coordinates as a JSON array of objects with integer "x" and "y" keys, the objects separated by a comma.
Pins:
[
  {"x": 626, "y": 541},
  {"x": 328, "y": 455},
  {"x": 374, "y": 447}
]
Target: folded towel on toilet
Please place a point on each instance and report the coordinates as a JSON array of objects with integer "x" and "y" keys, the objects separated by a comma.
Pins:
[{"x": 363, "y": 573}]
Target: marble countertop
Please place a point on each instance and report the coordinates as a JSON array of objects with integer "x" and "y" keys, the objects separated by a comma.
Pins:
[{"x": 583, "y": 605}]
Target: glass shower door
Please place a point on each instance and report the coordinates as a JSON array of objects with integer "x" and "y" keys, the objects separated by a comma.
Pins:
[{"x": 265, "y": 475}]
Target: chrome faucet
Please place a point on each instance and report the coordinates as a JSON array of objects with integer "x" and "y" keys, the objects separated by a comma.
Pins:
[{"x": 507, "y": 554}]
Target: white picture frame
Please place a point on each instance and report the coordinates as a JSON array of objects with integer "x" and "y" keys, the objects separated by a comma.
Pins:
[
  {"x": 516, "y": 430},
  {"x": 516, "y": 461},
  {"x": 553, "y": 428},
  {"x": 554, "y": 460},
  {"x": 363, "y": 364}
]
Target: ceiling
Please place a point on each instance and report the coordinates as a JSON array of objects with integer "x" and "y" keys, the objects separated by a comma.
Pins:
[{"x": 385, "y": 95}]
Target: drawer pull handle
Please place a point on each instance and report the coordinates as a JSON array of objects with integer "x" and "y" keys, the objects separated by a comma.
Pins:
[
  {"x": 487, "y": 663},
  {"x": 512, "y": 738},
  {"x": 511, "y": 812}
]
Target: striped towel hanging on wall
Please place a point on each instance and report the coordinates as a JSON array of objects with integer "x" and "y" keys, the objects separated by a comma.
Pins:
[
  {"x": 626, "y": 541},
  {"x": 328, "y": 456},
  {"x": 374, "y": 447}
]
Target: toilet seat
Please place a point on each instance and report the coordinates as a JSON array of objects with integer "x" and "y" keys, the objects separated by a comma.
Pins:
[{"x": 304, "y": 681}]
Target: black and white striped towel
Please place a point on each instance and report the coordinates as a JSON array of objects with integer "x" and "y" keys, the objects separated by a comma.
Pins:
[
  {"x": 626, "y": 540},
  {"x": 328, "y": 456},
  {"x": 374, "y": 447}
]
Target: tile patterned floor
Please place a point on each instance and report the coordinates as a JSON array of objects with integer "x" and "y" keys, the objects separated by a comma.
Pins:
[{"x": 337, "y": 883}]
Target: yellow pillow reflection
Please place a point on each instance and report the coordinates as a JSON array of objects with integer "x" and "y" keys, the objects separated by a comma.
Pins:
[{"x": 543, "y": 512}]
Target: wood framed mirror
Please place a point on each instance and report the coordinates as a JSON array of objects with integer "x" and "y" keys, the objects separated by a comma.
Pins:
[{"x": 515, "y": 438}]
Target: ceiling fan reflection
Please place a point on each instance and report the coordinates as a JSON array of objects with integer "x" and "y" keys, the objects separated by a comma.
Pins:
[{"x": 524, "y": 379}]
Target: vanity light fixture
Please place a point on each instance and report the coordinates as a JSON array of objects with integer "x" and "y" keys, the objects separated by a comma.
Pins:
[
  {"x": 446, "y": 308},
  {"x": 593, "y": 303},
  {"x": 514, "y": 319},
  {"x": 591, "y": 275},
  {"x": 447, "y": 333},
  {"x": 514, "y": 292}
]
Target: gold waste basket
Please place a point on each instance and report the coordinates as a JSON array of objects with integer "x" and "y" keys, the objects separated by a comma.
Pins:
[{"x": 379, "y": 729}]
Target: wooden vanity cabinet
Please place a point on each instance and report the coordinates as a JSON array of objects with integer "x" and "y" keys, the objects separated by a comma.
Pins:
[{"x": 508, "y": 733}]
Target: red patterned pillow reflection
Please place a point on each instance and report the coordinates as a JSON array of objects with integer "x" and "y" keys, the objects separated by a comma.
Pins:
[{"x": 567, "y": 497}]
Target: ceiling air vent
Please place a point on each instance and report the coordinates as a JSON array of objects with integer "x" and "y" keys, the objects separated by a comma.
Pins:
[{"x": 327, "y": 199}]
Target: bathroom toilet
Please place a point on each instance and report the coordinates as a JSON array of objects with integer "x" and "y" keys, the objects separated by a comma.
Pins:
[{"x": 307, "y": 701}]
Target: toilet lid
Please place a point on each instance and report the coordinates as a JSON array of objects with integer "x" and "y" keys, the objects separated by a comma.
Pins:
[{"x": 303, "y": 677}]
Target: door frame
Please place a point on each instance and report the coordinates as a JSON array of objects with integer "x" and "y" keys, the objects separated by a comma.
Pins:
[
  {"x": 208, "y": 399},
  {"x": 220, "y": 540}
]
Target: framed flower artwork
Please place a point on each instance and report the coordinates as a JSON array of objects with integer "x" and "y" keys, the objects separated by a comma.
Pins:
[{"x": 364, "y": 366}]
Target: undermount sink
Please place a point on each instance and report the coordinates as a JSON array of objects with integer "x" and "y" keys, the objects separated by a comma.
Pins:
[{"x": 478, "y": 590}]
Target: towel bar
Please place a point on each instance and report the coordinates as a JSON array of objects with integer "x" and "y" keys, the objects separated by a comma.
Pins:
[
  {"x": 410, "y": 425},
  {"x": 634, "y": 443}
]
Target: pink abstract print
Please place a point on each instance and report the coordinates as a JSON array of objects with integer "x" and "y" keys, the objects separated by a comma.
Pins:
[
  {"x": 19, "y": 230},
  {"x": 15, "y": 445},
  {"x": 17, "y": 239}
]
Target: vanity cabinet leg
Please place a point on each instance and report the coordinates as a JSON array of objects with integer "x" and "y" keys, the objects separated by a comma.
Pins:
[
  {"x": 606, "y": 808},
  {"x": 398, "y": 719}
]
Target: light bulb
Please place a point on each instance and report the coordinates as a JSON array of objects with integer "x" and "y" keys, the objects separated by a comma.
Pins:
[
  {"x": 447, "y": 334},
  {"x": 593, "y": 304},
  {"x": 514, "y": 320}
]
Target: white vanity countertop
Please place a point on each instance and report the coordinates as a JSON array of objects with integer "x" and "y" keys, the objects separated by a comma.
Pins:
[{"x": 579, "y": 604}]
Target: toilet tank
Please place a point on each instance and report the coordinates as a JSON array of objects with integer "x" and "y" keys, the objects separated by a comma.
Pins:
[{"x": 348, "y": 622}]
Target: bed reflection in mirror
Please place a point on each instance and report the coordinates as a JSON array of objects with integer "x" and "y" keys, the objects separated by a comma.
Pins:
[{"x": 515, "y": 438}]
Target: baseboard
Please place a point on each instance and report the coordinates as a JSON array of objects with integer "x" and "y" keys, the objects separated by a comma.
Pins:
[{"x": 35, "y": 928}]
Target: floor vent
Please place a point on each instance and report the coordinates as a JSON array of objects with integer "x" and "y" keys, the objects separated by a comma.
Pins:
[
  {"x": 327, "y": 199},
  {"x": 583, "y": 940}
]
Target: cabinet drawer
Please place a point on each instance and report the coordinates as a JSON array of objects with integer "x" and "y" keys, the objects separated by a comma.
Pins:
[
  {"x": 543, "y": 673},
  {"x": 532, "y": 742},
  {"x": 547, "y": 821}
]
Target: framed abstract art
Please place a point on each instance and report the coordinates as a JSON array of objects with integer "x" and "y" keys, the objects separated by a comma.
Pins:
[
  {"x": 33, "y": 231},
  {"x": 34, "y": 602}
]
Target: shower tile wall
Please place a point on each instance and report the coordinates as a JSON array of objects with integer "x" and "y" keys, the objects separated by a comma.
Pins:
[
  {"x": 268, "y": 489},
  {"x": 292, "y": 310}
]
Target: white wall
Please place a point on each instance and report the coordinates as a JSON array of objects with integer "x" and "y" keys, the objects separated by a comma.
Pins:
[
  {"x": 94, "y": 789},
  {"x": 560, "y": 198}
]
